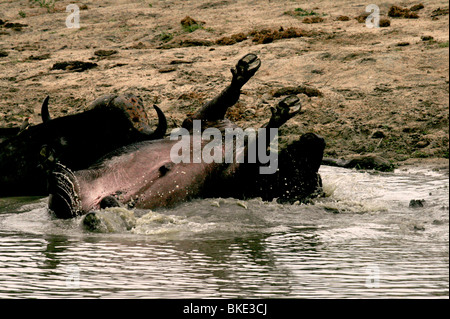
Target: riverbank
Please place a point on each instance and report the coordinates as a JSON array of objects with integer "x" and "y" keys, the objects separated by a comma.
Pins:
[{"x": 381, "y": 92}]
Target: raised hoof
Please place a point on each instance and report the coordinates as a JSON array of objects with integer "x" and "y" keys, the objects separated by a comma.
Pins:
[
  {"x": 245, "y": 68},
  {"x": 286, "y": 109}
]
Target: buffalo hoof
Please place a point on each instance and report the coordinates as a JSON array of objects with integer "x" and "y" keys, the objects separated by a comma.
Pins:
[
  {"x": 64, "y": 189},
  {"x": 245, "y": 69},
  {"x": 286, "y": 109}
]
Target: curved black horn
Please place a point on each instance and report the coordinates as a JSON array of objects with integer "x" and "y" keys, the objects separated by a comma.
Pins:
[
  {"x": 162, "y": 125},
  {"x": 44, "y": 111}
]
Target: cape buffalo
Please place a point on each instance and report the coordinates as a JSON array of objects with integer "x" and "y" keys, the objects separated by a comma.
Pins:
[{"x": 144, "y": 174}]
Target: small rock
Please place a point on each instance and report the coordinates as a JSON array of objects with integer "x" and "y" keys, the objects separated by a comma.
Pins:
[
  {"x": 239, "y": 37},
  {"x": 378, "y": 134},
  {"x": 417, "y": 7},
  {"x": 3, "y": 54},
  {"x": 138, "y": 46},
  {"x": 105, "y": 53},
  {"x": 362, "y": 17},
  {"x": 415, "y": 203},
  {"x": 309, "y": 20},
  {"x": 366, "y": 60},
  {"x": 173, "y": 62},
  {"x": 325, "y": 56},
  {"x": 385, "y": 23},
  {"x": 439, "y": 12},
  {"x": 14, "y": 26},
  {"x": 301, "y": 89},
  {"x": 422, "y": 144},
  {"x": 398, "y": 12},
  {"x": 382, "y": 87},
  {"x": 187, "y": 21},
  {"x": 427, "y": 38},
  {"x": 167, "y": 70},
  {"x": 235, "y": 38},
  {"x": 39, "y": 57},
  {"x": 343, "y": 18},
  {"x": 117, "y": 65},
  {"x": 77, "y": 66},
  {"x": 195, "y": 43},
  {"x": 226, "y": 41},
  {"x": 409, "y": 129}
]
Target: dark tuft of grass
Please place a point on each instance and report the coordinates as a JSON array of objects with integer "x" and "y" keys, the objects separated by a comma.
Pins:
[
  {"x": 302, "y": 12},
  {"x": 192, "y": 28},
  {"x": 166, "y": 37},
  {"x": 49, "y": 4}
]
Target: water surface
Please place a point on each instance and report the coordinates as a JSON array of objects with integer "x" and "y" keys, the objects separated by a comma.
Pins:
[{"x": 363, "y": 240}]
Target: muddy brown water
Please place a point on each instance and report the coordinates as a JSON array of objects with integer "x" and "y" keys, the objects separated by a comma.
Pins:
[{"x": 362, "y": 241}]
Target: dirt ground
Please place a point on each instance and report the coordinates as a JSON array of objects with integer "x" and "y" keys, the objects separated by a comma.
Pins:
[{"x": 380, "y": 91}]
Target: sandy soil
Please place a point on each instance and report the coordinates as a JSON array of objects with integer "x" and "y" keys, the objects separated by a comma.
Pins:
[{"x": 383, "y": 91}]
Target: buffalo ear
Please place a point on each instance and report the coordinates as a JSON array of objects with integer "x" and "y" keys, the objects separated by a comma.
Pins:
[{"x": 44, "y": 111}]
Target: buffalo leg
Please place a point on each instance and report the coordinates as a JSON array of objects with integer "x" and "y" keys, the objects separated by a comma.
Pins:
[
  {"x": 215, "y": 109},
  {"x": 296, "y": 177},
  {"x": 285, "y": 110}
]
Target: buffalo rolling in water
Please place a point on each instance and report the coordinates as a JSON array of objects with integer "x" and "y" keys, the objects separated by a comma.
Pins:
[
  {"x": 143, "y": 175},
  {"x": 108, "y": 156}
]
